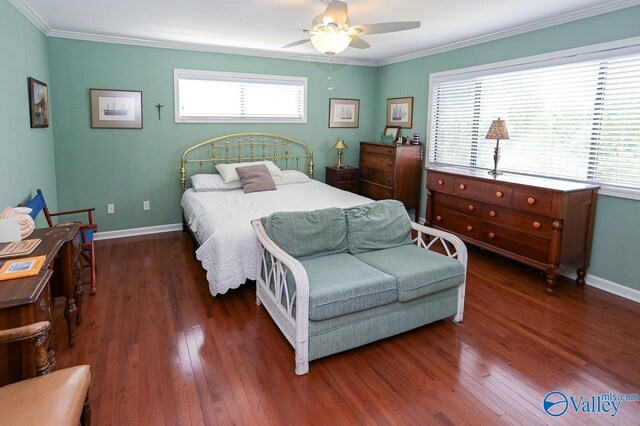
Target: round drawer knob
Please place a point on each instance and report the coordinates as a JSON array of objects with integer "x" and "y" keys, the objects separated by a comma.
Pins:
[
  {"x": 440, "y": 182},
  {"x": 462, "y": 186},
  {"x": 499, "y": 194},
  {"x": 469, "y": 228},
  {"x": 492, "y": 213},
  {"x": 43, "y": 305},
  {"x": 387, "y": 195},
  {"x": 536, "y": 225},
  {"x": 531, "y": 200},
  {"x": 388, "y": 179},
  {"x": 388, "y": 163},
  {"x": 492, "y": 235},
  {"x": 438, "y": 218},
  {"x": 471, "y": 207}
]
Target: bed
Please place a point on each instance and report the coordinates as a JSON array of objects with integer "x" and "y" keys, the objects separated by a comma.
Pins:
[{"x": 220, "y": 220}]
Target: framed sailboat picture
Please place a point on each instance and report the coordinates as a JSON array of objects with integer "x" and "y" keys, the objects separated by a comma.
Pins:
[
  {"x": 116, "y": 109},
  {"x": 344, "y": 112},
  {"x": 400, "y": 112}
]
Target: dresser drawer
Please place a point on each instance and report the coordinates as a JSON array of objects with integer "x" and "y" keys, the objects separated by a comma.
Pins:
[
  {"x": 351, "y": 185},
  {"x": 518, "y": 220},
  {"x": 533, "y": 201},
  {"x": 458, "y": 204},
  {"x": 375, "y": 192},
  {"x": 439, "y": 182},
  {"x": 377, "y": 169},
  {"x": 377, "y": 150},
  {"x": 483, "y": 191},
  {"x": 517, "y": 242},
  {"x": 456, "y": 222},
  {"x": 42, "y": 306},
  {"x": 347, "y": 174}
]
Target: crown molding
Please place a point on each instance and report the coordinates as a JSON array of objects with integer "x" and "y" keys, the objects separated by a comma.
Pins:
[
  {"x": 611, "y": 6},
  {"x": 31, "y": 16}
]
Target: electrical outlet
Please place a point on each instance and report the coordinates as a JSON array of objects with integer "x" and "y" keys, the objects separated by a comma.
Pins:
[
  {"x": 146, "y": 205},
  {"x": 111, "y": 208}
]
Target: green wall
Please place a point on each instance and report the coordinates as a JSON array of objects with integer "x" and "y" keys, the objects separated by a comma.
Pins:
[
  {"x": 99, "y": 166},
  {"x": 617, "y": 233},
  {"x": 26, "y": 154}
]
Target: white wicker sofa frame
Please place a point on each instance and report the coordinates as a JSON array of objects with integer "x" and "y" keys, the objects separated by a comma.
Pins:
[{"x": 290, "y": 312}]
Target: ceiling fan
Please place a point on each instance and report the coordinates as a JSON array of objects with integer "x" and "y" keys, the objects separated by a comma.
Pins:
[{"x": 331, "y": 34}]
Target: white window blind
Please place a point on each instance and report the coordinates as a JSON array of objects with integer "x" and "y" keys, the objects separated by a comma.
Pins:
[
  {"x": 577, "y": 121},
  {"x": 204, "y": 96}
]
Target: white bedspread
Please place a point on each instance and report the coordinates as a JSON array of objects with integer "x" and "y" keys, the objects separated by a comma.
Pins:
[{"x": 221, "y": 221}]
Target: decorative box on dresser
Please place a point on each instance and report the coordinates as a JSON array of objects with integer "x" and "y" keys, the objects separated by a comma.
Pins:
[
  {"x": 543, "y": 223},
  {"x": 345, "y": 178},
  {"x": 391, "y": 172}
]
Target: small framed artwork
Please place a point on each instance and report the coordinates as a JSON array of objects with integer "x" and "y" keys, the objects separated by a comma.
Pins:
[
  {"x": 392, "y": 131},
  {"x": 116, "y": 109},
  {"x": 344, "y": 113},
  {"x": 19, "y": 268},
  {"x": 38, "y": 103},
  {"x": 400, "y": 112}
]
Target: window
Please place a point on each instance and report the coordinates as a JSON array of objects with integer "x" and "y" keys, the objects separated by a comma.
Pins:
[
  {"x": 575, "y": 118},
  {"x": 215, "y": 97}
]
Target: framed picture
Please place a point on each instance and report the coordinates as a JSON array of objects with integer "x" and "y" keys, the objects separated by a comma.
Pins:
[
  {"x": 19, "y": 268},
  {"x": 344, "y": 112},
  {"x": 400, "y": 112},
  {"x": 38, "y": 103},
  {"x": 116, "y": 109},
  {"x": 392, "y": 131}
]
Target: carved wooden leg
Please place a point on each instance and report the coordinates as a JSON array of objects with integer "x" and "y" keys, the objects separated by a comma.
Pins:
[
  {"x": 85, "y": 417},
  {"x": 78, "y": 293},
  {"x": 71, "y": 314},
  {"x": 41, "y": 345},
  {"x": 552, "y": 281},
  {"x": 581, "y": 276}
]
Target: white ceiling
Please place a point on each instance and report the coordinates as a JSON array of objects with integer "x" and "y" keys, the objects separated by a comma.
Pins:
[{"x": 217, "y": 25}]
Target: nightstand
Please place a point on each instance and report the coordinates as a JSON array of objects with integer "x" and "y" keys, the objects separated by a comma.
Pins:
[{"x": 345, "y": 178}]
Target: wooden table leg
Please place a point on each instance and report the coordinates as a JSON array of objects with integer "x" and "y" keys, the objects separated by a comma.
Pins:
[
  {"x": 79, "y": 292},
  {"x": 582, "y": 273},
  {"x": 71, "y": 315},
  {"x": 552, "y": 281}
]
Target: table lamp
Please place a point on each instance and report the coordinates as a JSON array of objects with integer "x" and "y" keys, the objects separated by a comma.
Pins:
[
  {"x": 339, "y": 145},
  {"x": 497, "y": 131}
]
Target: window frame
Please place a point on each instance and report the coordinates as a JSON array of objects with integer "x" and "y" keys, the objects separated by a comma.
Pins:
[
  {"x": 568, "y": 56},
  {"x": 244, "y": 77}
]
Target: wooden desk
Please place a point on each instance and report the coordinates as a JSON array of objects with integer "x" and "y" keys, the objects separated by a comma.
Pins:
[{"x": 28, "y": 300}]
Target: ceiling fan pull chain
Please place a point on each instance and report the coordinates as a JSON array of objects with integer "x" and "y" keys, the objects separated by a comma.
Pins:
[{"x": 330, "y": 70}]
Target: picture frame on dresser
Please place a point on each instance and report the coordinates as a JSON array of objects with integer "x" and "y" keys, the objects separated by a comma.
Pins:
[
  {"x": 344, "y": 113},
  {"x": 400, "y": 112}
]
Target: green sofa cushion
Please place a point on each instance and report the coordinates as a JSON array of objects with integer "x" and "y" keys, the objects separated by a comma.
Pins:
[
  {"x": 380, "y": 225},
  {"x": 418, "y": 271},
  {"x": 309, "y": 233},
  {"x": 340, "y": 284}
]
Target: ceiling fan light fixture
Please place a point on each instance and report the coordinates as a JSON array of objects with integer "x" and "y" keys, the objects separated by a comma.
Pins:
[{"x": 330, "y": 42}]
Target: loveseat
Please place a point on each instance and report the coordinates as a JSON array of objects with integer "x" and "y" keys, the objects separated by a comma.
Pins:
[{"x": 335, "y": 279}]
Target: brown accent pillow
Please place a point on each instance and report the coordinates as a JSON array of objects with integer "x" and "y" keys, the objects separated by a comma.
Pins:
[{"x": 256, "y": 178}]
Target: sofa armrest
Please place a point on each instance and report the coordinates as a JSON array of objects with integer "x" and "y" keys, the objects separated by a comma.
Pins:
[
  {"x": 271, "y": 289},
  {"x": 460, "y": 253}
]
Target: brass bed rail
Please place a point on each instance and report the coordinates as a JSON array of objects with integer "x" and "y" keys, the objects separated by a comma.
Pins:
[{"x": 285, "y": 152}]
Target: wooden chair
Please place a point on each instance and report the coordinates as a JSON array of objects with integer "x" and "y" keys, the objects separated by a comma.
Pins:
[
  {"x": 58, "y": 398},
  {"x": 87, "y": 246}
]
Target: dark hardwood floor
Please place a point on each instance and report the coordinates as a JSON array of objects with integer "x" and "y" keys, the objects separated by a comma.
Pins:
[{"x": 163, "y": 351}]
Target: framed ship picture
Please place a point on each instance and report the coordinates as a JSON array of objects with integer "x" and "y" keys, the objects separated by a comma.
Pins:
[
  {"x": 38, "y": 103},
  {"x": 400, "y": 112},
  {"x": 116, "y": 109},
  {"x": 344, "y": 113}
]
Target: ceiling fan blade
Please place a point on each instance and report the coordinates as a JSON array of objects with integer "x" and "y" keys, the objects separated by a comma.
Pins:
[
  {"x": 296, "y": 43},
  {"x": 358, "y": 43},
  {"x": 385, "y": 27},
  {"x": 336, "y": 12}
]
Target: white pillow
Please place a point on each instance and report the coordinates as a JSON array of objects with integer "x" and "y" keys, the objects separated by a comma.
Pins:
[
  {"x": 211, "y": 182},
  {"x": 290, "y": 176},
  {"x": 229, "y": 174}
]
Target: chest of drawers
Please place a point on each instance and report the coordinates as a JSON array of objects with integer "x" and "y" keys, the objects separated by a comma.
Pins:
[
  {"x": 544, "y": 223},
  {"x": 345, "y": 178},
  {"x": 391, "y": 172}
]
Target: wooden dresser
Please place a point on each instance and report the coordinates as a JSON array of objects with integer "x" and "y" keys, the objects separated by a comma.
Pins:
[
  {"x": 391, "y": 171},
  {"x": 544, "y": 223}
]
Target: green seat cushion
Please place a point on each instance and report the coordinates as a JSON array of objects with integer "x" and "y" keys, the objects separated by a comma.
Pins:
[
  {"x": 309, "y": 233},
  {"x": 375, "y": 226},
  {"x": 418, "y": 271},
  {"x": 340, "y": 284}
]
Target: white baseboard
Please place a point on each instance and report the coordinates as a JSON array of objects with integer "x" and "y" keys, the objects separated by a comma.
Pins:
[
  {"x": 108, "y": 235},
  {"x": 606, "y": 285}
]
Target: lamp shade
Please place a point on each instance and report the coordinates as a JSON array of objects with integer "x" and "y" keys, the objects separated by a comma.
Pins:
[
  {"x": 340, "y": 144},
  {"x": 330, "y": 42},
  {"x": 498, "y": 130}
]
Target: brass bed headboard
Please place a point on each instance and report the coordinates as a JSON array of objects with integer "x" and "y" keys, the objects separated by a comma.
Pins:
[{"x": 285, "y": 152}]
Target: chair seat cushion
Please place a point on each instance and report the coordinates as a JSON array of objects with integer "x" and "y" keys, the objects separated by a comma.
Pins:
[
  {"x": 340, "y": 284},
  {"x": 52, "y": 399},
  {"x": 418, "y": 271}
]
